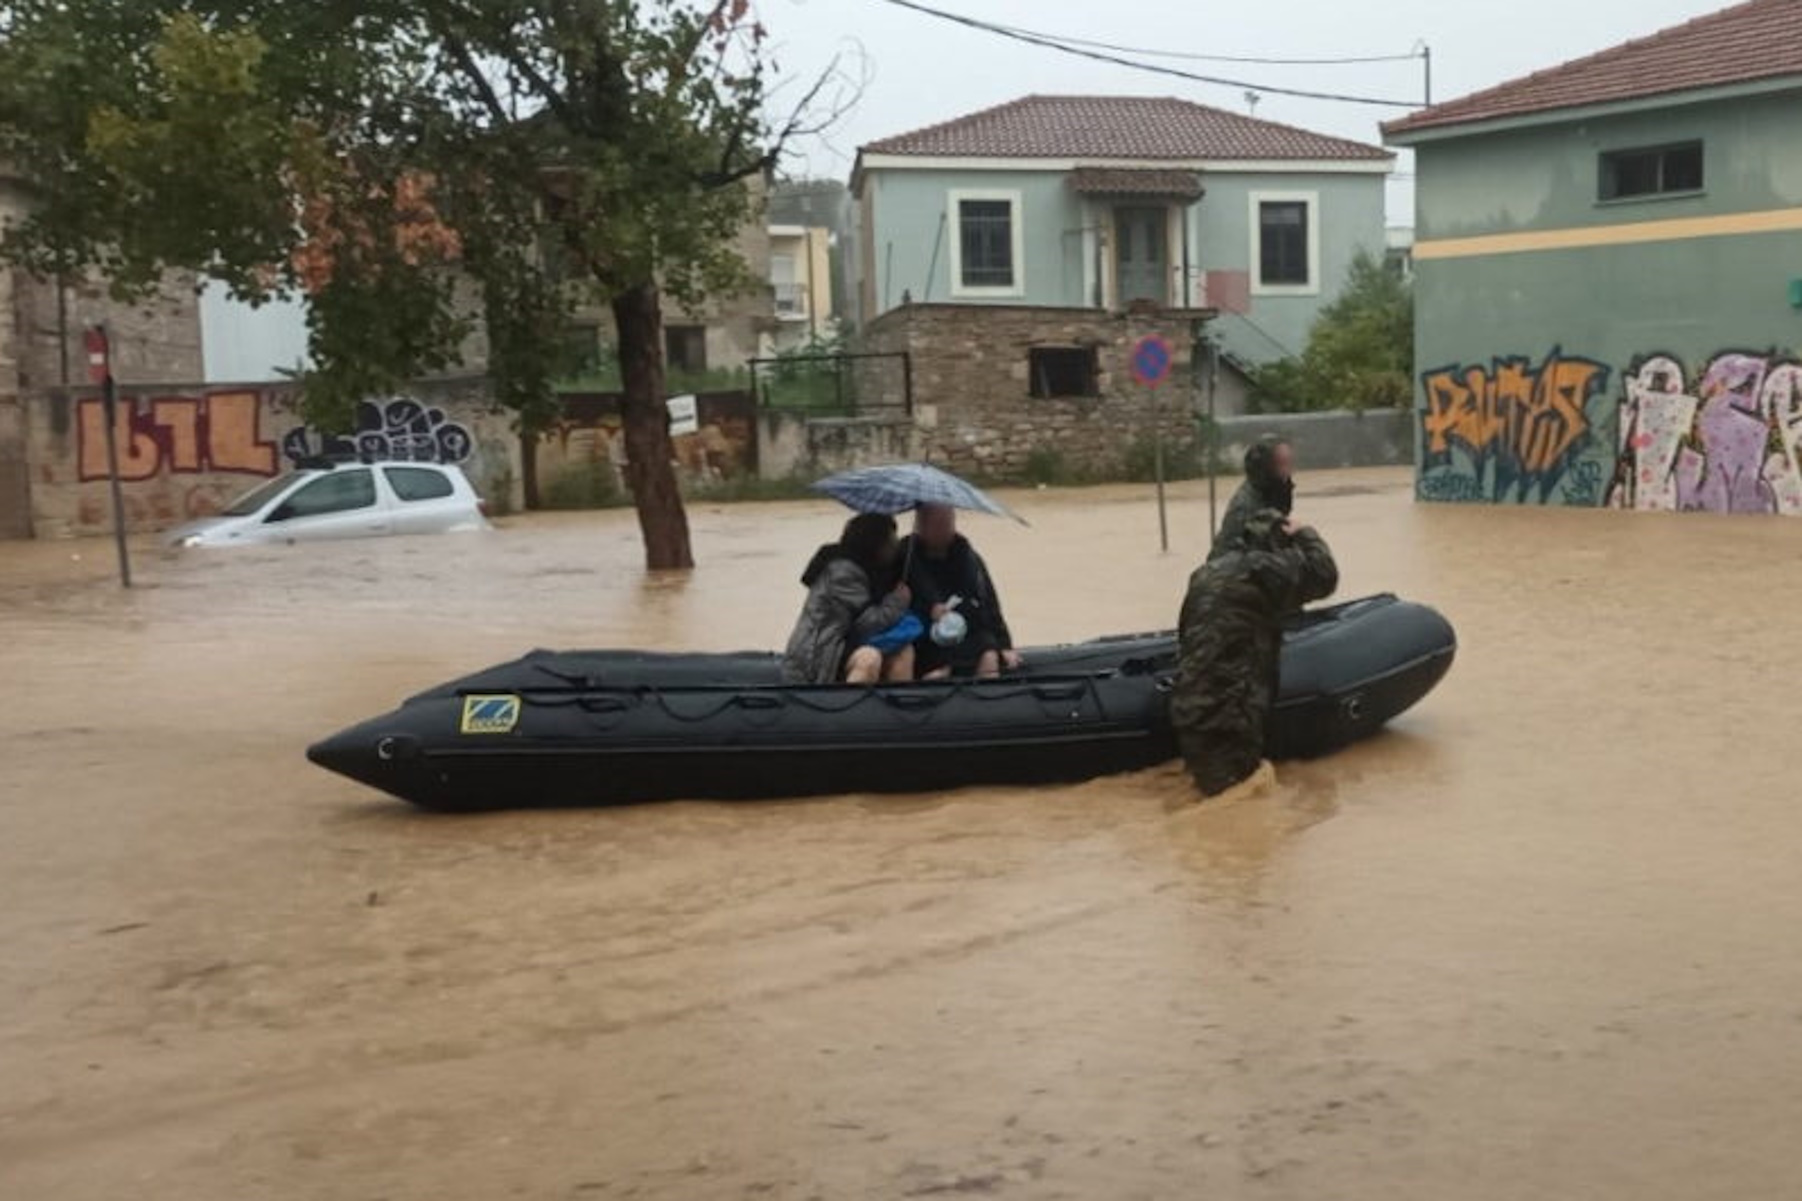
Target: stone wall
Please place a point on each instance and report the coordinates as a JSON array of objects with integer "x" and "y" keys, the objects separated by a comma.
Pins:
[
  {"x": 186, "y": 450},
  {"x": 972, "y": 390}
]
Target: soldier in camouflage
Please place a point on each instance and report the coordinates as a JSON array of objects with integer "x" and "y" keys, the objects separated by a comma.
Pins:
[
  {"x": 1269, "y": 484},
  {"x": 1230, "y": 638}
]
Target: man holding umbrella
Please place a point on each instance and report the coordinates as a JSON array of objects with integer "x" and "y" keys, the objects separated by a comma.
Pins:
[
  {"x": 954, "y": 594},
  {"x": 955, "y": 598}
]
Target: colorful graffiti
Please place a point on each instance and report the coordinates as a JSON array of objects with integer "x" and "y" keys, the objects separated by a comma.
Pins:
[
  {"x": 400, "y": 429},
  {"x": 221, "y": 432},
  {"x": 185, "y": 435},
  {"x": 1513, "y": 430},
  {"x": 1730, "y": 442}
]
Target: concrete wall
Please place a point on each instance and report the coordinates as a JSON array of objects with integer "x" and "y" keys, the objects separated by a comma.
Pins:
[
  {"x": 1565, "y": 365},
  {"x": 41, "y": 345},
  {"x": 186, "y": 451},
  {"x": 1375, "y": 438},
  {"x": 1066, "y": 244},
  {"x": 793, "y": 445}
]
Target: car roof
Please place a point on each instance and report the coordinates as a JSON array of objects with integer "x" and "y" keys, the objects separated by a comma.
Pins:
[{"x": 319, "y": 465}]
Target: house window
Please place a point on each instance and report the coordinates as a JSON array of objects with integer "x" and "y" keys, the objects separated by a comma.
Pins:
[
  {"x": 1655, "y": 171},
  {"x": 986, "y": 244},
  {"x": 1055, "y": 371},
  {"x": 685, "y": 347},
  {"x": 791, "y": 294},
  {"x": 581, "y": 353},
  {"x": 1285, "y": 248}
]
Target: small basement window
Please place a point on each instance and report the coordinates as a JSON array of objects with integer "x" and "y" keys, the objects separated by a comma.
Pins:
[
  {"x": 1058, "y": 371},
  {"x": 1651, "y": 171}
]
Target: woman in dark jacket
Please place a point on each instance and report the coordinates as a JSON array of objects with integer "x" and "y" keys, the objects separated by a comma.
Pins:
[{"x": 843, "y": 614}]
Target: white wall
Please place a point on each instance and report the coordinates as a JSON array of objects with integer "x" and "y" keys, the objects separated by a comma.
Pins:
[{"x": 241, "y": 344}]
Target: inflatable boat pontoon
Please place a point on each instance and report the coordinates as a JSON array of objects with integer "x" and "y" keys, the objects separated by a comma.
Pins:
[{"x": 605, "y": 727}]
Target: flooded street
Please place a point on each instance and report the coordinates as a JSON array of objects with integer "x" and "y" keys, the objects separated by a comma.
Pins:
[{"x": 1534, "y": 941}]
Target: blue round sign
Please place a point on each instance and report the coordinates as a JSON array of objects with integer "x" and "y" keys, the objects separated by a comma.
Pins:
[{"x": 1151, "y": 360}]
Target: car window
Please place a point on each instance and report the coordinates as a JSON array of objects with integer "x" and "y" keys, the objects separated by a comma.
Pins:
[
  {"x": 257, "y": 497},
  {"x": 417, "y": 483},
  {"x": 339, "y": 492}
]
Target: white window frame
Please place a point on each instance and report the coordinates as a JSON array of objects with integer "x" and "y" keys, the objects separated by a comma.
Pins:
[
  {"x": 955, "y": 235},
  {"x": 1258, "y": 286}
]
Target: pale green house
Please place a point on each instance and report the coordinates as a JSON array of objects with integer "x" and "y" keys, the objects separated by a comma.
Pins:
[
  {"x": 1110, "y": 203},
  {"x": 1608, "y": 275}
]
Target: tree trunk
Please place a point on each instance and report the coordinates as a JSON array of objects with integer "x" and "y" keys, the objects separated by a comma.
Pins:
[{"x": 649, "y": 472}]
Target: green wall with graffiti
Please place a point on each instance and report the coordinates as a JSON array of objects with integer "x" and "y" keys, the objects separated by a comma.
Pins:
[{"x": 1640, "y": 354}]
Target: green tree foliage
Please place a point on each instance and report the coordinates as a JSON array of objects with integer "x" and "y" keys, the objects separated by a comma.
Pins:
[
  {"x": 1360, "y": 352},
  {"x": 393, "y": 158}
]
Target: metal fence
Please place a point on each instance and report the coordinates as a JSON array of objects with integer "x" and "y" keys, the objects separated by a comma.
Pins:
[{"x": 836, "y": 385}]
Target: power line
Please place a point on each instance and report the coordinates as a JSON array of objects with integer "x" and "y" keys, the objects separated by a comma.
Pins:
[
  {"x": 1050, "y": 43},
  {"x": 1185, "y": 56}
]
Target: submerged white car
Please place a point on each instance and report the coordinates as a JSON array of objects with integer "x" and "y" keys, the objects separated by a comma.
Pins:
[{"x": 348, "y": 500}]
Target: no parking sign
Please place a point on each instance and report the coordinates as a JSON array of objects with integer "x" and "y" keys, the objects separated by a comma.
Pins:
[{"x": 1151, "y": 360}]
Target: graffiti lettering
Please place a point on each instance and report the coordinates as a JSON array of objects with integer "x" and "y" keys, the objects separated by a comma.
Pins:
[
  {"x": 185, "y": 435},
  {"x": 400, "y": 429},
  {"x": 1519, "y": 427},
  {"x": 1729, "y": 443},
  {"x": 1449, "y": 486},
  {"x": 1583, "y": 484}
]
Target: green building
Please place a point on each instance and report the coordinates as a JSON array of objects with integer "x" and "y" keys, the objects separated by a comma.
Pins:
[
  {"x": 1103, "y": 203},
  {"x": 1608, "y": 260}
]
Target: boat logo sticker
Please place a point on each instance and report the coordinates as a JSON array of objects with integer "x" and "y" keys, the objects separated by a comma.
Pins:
[{"x": 490, "y": 714}]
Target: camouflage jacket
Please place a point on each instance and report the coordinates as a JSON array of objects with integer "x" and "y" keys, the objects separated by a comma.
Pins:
[{"x": 1230, "y": 642}]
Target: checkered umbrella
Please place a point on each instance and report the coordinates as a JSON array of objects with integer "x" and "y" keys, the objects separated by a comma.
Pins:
[{"x": 903, "y": 486}]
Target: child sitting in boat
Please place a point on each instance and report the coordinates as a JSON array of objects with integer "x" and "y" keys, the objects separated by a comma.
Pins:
[{"x": 846, "y": 631}]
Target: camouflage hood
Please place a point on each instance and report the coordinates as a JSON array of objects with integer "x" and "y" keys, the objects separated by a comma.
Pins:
[{"x": 1260, "y": 473}]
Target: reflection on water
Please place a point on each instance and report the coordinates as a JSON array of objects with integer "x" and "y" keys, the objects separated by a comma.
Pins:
[{"x": 1530, "y": 942}]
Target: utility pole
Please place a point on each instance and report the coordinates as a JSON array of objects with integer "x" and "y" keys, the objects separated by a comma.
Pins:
[{"x": 100, "y": 371}]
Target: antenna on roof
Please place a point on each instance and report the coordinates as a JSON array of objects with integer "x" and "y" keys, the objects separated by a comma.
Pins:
[{"x": 1426, "y": 65}]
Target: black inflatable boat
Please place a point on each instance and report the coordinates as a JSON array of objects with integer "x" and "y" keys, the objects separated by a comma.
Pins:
[{"x": 602, "y": 727}]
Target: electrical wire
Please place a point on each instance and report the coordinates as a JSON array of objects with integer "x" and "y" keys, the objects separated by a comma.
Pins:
[
  {"x": 1050, "y": 43},
  {"x": 1186, "y": 56}
]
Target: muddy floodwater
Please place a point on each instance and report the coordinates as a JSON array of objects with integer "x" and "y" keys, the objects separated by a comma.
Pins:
[{"x": 1538, "y": 941}]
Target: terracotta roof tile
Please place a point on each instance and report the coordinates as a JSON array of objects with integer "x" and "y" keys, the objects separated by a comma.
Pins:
[
  {"x": 1758, "y": 40},
  {"x": 1135, "y": 181},
  {"x": 1119, "y": 127}
]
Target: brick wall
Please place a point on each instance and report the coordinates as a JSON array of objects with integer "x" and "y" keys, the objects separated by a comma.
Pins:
[
  {"x": 187, "y": 450},
  {"x": 972, "y": 386}
]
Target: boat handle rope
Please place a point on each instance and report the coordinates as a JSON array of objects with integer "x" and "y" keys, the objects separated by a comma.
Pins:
[{"x": 915, "y": 700}]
